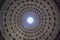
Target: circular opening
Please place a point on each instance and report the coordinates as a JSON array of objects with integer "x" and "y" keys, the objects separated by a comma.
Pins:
[{"x": 30, "y": 20}]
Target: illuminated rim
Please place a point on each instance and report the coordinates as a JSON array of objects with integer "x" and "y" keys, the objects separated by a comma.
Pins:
[{"x": 30, "y": 20}]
